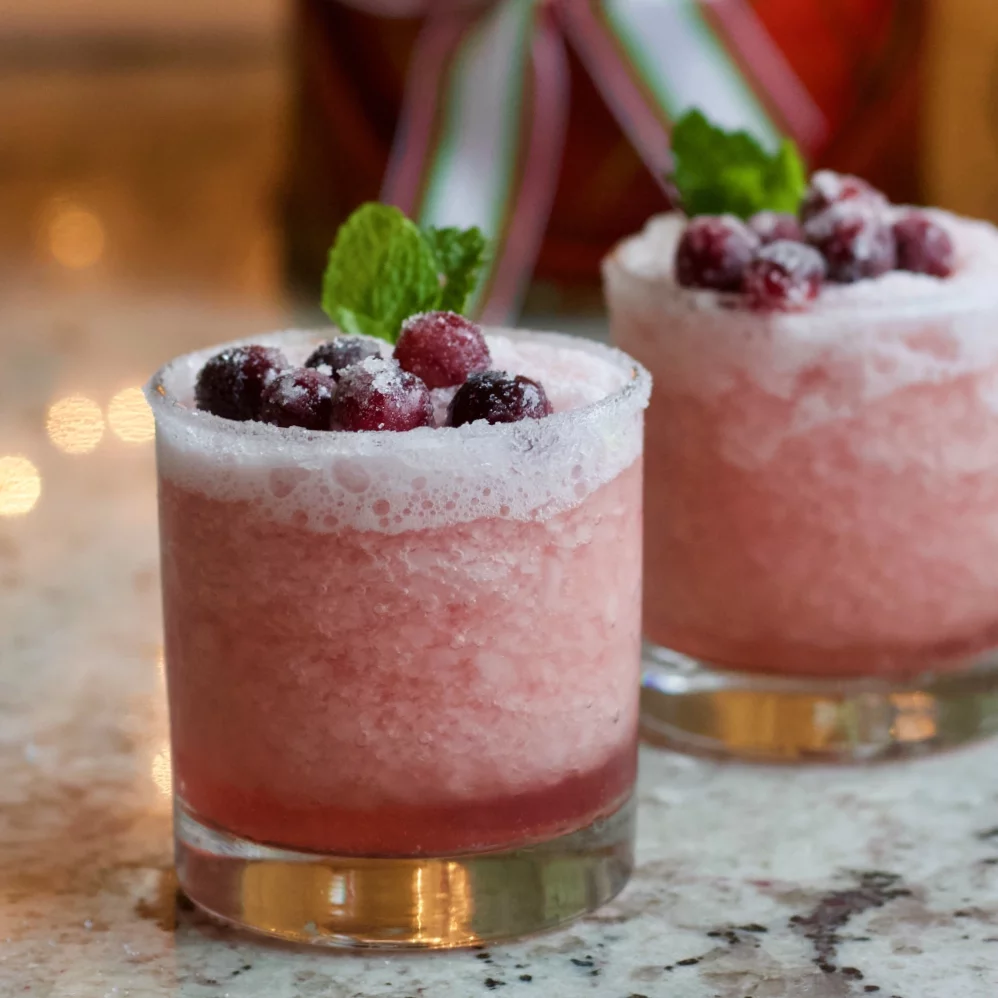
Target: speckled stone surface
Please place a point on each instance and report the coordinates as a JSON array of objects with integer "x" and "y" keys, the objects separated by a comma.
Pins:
[{"x": 753, "y": 883}]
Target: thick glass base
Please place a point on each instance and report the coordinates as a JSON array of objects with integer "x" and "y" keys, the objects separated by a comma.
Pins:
[
  {"x": 690, "y": 705},
  {"x": 397, "y": 903}
]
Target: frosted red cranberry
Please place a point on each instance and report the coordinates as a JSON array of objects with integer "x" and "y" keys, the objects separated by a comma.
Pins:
[
  {"x": 828, "y": 188},
  {"x": 784, "y": 276},
  {"x": 442, "y": 348},
  {"x": 299, "y": 398},
  {"x": 377, "y": 394},
  {"x": 498, "y": 398},
  {"x": 772, "y": 227},
  {"x": 231, "y": 383},
  {"x": 713, "y": 252},
  {"x": 342, "y": 352},
  {"x": 856, "y": 241},
  {"x": 924, "y": 246}
]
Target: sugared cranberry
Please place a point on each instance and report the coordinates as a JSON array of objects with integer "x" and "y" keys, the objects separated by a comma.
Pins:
[
  {"x": 924, "y": 246},
  {"x": 442, "y": 348},
  {"x": 784, "y": 276},
  {"x": 857, "y": 241},
  {"x": 828, "y": 188},
  {"x": 231, "y": 383},
  {"x": 713, "y": 252},
  {"x": 342, "y": 352},
  {"x": 772, "y": 227},
  {"x": 498, "y": 398},
  {"x": 299, "y": 398},
  {"x": 377, "y": 394}
]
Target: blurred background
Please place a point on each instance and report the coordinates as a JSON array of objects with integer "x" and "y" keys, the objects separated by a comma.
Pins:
[
  {"x": 209, "y": 149},
  {"x": 142, "y": 145}
]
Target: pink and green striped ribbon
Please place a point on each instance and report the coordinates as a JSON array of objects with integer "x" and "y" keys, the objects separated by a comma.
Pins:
[{"x": 483, "y": 123}]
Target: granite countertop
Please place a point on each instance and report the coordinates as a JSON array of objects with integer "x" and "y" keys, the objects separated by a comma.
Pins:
[{"x": 752, "y": 882}]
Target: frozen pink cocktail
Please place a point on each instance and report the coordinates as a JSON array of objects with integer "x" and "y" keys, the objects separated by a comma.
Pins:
[
  {"x": 822, "y": 486},
  {"x": 821, "y": 546},
  {"x": 410, "y": 644}
]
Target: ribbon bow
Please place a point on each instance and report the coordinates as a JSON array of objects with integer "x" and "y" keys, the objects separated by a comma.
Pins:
[{"x": 483, "y": 121}]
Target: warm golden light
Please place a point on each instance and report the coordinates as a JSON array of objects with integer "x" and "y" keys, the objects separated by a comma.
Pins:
[
  {"x": 161, "y": 662},
  {"x": 75, "y": 424},
  {"x": 73, "y": 234},
  {"x": 130, "y": 418},
  {"x": 20, "y": 485},
  {"x": 162, "y": 772},
  {"x": 915, "y": 720}
]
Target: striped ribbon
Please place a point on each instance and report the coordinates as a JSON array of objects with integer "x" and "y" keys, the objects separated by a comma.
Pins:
[{"x": 484, "y": 116}]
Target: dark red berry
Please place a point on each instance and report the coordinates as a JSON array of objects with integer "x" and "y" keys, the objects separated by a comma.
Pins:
[
  {"x": 377, "y": 394},
  {"x": 784, "y": 276},
  {"x": 442, "y": 348},
  {"x": 856, "y": 241},
  {"x": 232, "y": 382},
  {"x": 772, "y": 227},
  {"x": 828, "y": 188},
  {"x": 713, "y": 252},
  {"x": 924, "y": 246},
  {"x": 342, "y": 352},
  {"x": 498, "y": 398},
  {"x": 299, "y": 398}
]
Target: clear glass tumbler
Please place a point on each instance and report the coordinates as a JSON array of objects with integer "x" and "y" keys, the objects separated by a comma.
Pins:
[
  {"x": 821, "y": 554},
  {"x": 403, "y": 668}
]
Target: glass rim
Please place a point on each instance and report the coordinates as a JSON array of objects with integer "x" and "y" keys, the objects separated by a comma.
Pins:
[
  {"x": 168, "y": 406},
  {"x": 968, "y": 291}
]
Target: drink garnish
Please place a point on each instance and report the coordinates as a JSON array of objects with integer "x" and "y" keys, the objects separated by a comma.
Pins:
[
  {"x": 442, "y": 348},
  {"x": 383, "y": 268},
  {"x": 717, "y": 172}
]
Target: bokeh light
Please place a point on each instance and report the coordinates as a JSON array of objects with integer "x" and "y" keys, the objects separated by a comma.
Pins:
[
  {"x": 130, "y": 418},
  {"x": 20, "y": 485},
  {"x": 73, "y": 234},
  {"x": 161, "y": 771},
  {"x": 75, "y": 424},
  {"x": 915, "y": 718}
]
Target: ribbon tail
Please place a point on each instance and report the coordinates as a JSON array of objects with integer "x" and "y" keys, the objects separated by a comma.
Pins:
[
  {"x": 481, "y": 138},
  {"x": 642, "y": 118},
  {"x": 544, "y": 124},
  {"x": 654, "y": 59},
  {"x": 778, "y": 83},
  {"x": 419, "y": 122}
]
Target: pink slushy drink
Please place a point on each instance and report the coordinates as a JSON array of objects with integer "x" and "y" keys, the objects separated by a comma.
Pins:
[
  {"x": 402, "y": 620},
  {"x": 822, "y": 483}
]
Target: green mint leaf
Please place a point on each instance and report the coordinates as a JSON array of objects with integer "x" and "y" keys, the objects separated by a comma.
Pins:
[
  {"x": 381, "y": 270},
  {"x": 786, "y": 179},
  {"x": 717, "y": 172},
  {"x": 460, "y": 257}
]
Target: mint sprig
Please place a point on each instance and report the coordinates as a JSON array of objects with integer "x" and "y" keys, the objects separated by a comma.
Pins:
[
  {"x": 460, "y": 257},
  {"x": 717, "y": 172},
  {"x": 383, "y": 268}
]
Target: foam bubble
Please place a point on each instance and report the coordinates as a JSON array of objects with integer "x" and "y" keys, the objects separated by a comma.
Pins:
[{"x": 427, "y": 477}]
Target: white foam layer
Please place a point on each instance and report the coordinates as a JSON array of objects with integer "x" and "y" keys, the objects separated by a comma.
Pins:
[
  {"x": 872, "y": 338},
  {"x": 429, "y": 477}
]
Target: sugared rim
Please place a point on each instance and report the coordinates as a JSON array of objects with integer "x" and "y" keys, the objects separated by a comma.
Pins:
[
  {"x": 898, "y": 293},
  {"x": 166, "y": 405}
]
